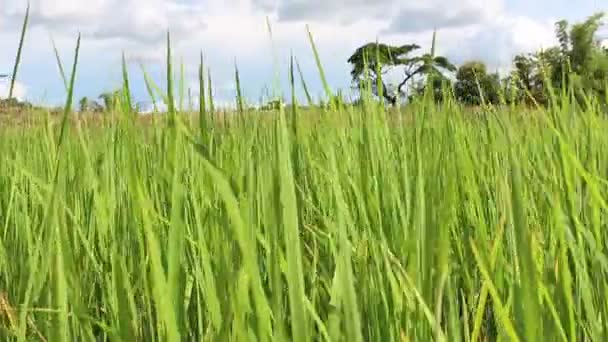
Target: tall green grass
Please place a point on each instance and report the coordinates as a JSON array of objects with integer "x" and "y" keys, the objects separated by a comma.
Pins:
[
  {"x": 358, "y": 224},
  {"x": 19, "y": 51}
]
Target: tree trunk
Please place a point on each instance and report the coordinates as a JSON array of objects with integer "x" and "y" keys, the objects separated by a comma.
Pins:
[
  {"x": 407, "y": 78},
  {"x": 391, "y": 99}
]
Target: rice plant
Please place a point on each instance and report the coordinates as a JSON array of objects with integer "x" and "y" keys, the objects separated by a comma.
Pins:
[{"x": 357, "y": 224}]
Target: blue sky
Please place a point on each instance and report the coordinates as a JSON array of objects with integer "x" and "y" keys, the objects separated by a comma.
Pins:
[{"x": 235, "y": 30}]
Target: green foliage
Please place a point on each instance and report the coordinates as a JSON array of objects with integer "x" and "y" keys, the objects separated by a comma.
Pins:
[
  {"x": 371, "y": 61},
  {"x": 83, "y": 103},
  {"x": 341, "y": 227},
  {"x": 583, "y": 45},
  {"x": 19, "y": 50},
  {"x": 273, "y": 105},
  {"x": 355, "y": 226},
  {"x": 529, "y": 78},
  {"x": 8, "y": 105},
  {"x": 578, "y": 59},
  {"x": 88, "y": 105},
  {"x": 438, "y": 87},
  {"x": 474, "y": 86},
  {"x": 378, "y": 56},
  {"x": 110, "y": 99},
  {"x": 430, "y": 64}
]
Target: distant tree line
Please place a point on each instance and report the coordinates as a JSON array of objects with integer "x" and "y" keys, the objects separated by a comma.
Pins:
[
  {"x": 104, "y": 102},
  {"x": 578, "y": 63}
]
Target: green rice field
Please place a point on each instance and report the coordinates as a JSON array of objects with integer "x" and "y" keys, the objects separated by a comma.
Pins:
[{"x": 341, "y": 223}]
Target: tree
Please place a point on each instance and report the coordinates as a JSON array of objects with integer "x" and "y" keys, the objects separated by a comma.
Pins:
[
  {"x": 524, "y": 72},
  {"x": 110, "y": 99},
  {"x": 431, "y": 65},
  {"x": 432, "y": 68},
  {"x": 437, "y": 86},
  {"x": 589, "y": 60},
  {"x": 373, "y": 60},
  {"x": 581, "y": 58},
  {"x": 377, "y": 59},
  {"x": 474, "y": 85},
  {"x": 273, "y": 104},
  {"x": 88, "y": 105},
  {"x": 584, "y": 45},
  {"x": 577, "y": 63},
  {"x": 84, "y": 102},
  {"x": 534, "y": 72}
]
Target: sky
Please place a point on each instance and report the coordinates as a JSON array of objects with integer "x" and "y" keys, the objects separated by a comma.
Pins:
[{"x": 235, "y": 32}]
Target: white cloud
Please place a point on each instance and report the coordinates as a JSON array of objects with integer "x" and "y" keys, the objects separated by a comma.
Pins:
[
  {"x": 468, "y": 29},
  {"x": 136, "y": 20},
  {"x": 498, "y": 42},
  {"x": 228, "y": 29},
  {"x": 225, "y": 29},
  {"x": 422, "y": 16},
  {"x": 346, "y": 11},
  {"x": 404, "y": 16},
  {"x": 19, "y": 91}
]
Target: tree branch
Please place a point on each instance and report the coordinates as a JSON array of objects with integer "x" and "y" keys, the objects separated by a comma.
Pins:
[{"x": 409, "y": 75}]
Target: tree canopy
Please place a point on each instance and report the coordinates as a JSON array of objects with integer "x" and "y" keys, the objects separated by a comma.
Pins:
[
  {"x": 578, "y": 62},
  {"x": 373, "y": 60},
  {"x": 475, "y": 86}
]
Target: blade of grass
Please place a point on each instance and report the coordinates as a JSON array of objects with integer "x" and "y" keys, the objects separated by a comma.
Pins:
[
  {"x": 59, "y": 64},
  {"x": 128, "y": 107},
  {"x": 503, "y": 315},
  {"x": 19, "y": 50},
  {"x": 170, "y": 97},
  {"x": 202, "y": 110},
  {"x": 326, "y": 87},
  {"x": 148, "y": 82},
  {"x": 289, "y": 216},
  {"x": 304, "y": 86}
]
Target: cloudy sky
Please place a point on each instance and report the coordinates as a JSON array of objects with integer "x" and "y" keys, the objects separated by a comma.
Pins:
[{"x": 229, "y": 31}]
